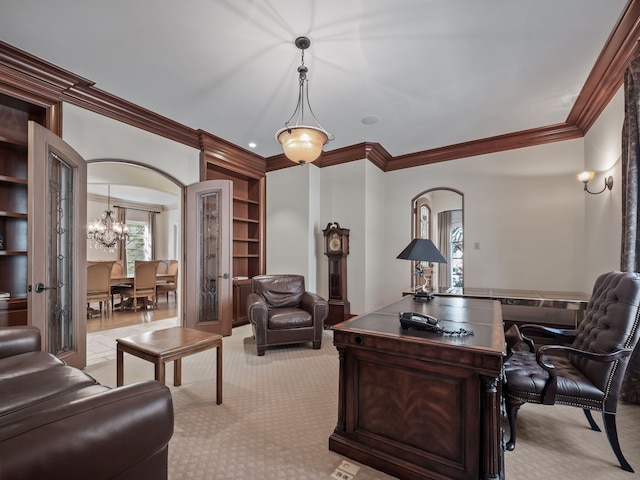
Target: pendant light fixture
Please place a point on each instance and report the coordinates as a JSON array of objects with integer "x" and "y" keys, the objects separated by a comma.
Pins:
[
  {"x": 106, "y": 232},
  {"x": 302, "y": 143}
]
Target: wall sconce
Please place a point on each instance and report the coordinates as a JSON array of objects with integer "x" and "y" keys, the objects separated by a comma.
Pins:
[{"x": 586, "y": 177}]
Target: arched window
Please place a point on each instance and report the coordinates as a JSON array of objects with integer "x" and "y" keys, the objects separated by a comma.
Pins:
[{"x": 437, "y": 214}]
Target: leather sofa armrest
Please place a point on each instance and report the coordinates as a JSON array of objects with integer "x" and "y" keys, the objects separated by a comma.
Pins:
[
  {"x": 257, "y": 310},
  {"x": 315, "y": 305},
  {"x": 17, "y": 340},
  {"x": 98, "y": 437}
]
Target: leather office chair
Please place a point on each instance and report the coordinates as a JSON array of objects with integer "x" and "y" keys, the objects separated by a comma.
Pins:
[
  {"x": 144, "y": 284},
  {"x": 588, "y": 373},
  {"x": 281, "y": 312},
  {"x": 98, "y": 285}
]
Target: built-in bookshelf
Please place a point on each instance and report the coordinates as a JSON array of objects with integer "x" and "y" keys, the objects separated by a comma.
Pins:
[
  {"x": 14, "y": 221},
  {"x": 248, "y": 233}
]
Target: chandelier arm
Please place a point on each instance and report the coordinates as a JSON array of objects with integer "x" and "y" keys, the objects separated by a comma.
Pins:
[{"x": 296, "y": 112}]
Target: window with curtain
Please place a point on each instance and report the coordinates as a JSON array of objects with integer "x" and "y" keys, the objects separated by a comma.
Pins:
[{"x": 138, "y": 244}]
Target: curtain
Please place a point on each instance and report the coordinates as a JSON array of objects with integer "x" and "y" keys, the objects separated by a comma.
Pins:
[
  {"x": 152, "y": 234},
  {"x": 444, "y": 231},
  {"x": 121, "y": 216},
  {"x": 630, "y": 249}
]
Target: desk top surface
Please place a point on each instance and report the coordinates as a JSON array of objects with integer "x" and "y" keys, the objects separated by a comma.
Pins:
[
  {"x": 537, "y": 298},
  {"x": 482, "y": 316}
]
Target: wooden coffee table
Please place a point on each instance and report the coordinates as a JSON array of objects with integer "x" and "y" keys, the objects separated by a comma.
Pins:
[{"x": 166, "y": 345}]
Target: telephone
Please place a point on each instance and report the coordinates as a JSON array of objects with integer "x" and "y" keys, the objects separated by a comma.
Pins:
[
  {"x": 421, "y": 321},
  {"x": 417, "y": 320}
]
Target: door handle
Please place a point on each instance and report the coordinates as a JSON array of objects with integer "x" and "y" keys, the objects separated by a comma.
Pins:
[
  {"x": 224, "y": 275},
  {"x": 41, "y": 288}
]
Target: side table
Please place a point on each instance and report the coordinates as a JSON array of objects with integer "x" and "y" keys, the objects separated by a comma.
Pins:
[{"x": 166, "y": 345}]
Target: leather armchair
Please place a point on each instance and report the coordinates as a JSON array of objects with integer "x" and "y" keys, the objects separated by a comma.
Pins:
[
  {"x": 281, "y": 312},
  {"x": 588, "y": 373}
]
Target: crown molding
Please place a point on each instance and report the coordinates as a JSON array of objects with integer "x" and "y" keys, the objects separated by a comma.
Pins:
[
  {"x": 607, "y": 75},
  {"x": 226, "y": 155},
  {"x": 93, "y": 99},
  {"x": 509, "y": 141}
]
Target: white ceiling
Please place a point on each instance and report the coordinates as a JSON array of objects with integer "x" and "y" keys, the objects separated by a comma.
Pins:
[{"x": 435, "y": 72}]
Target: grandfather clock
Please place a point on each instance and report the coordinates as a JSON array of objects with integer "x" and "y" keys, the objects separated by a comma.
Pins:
[{"x": 336, "y": 248}]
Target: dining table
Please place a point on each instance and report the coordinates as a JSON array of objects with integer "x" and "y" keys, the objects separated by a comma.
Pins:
[{"x": 128, "y": 280}]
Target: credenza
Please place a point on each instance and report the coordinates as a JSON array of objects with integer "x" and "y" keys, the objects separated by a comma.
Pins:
[{"x": 417, "y": 404}]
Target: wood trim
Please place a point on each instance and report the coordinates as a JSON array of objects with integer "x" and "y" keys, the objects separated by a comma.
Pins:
[
  {"x": 373, "y": 152},
  {"x": 607, "y": 74},
  {"x": 230, "y": 157},
  {"x": 509, "y": 141},
  {"x": 99, "y": 101}
]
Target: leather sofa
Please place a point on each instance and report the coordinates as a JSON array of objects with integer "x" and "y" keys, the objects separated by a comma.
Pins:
[{"x": 57, "y": 422}]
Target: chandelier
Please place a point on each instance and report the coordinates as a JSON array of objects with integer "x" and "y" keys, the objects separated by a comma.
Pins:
[
  {"x": 106, "y": 232},
  {"x": 302, "y": 143}
]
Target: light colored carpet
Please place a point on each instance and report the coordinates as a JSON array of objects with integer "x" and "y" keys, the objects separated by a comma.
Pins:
[{"x": 279, "y": 410}]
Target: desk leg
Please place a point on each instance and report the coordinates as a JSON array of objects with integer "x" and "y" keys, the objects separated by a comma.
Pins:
[
  {"x": 119, "y": 367},
  {"x": 160, "y": 370},
  {"x": 219, "y": 375},
  {"x": 491, "y": 455},
  {"x": 177, "y": 372}
]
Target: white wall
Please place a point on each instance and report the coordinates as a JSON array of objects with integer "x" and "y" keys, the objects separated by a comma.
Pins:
[
  {"x": 603, "y": 225},
  {"x": 343, "y": 200},
  {"x": 292, "y": 211},
  {"x": 524, "y": 208},
  {"x": 534, "y": 226},
  {"x": 94, "y": 136}
]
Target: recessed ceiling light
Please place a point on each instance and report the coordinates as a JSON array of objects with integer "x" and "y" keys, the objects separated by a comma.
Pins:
[
  {"x": 371, "y": 119},
  {"x": 252, "y": 145}
]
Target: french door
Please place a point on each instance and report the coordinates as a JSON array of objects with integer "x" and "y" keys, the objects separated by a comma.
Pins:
[
  {"x": 57, "y": 245},
  {"x": 208, "y": 241}
]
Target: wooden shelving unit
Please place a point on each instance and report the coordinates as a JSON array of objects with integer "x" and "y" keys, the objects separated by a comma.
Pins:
[
  {"x": 14, "y": 221},
  {"x": 248, "y": 233}
]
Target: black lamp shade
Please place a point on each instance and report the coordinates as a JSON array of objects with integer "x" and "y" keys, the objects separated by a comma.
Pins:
[{"x": 422, "y": 250}]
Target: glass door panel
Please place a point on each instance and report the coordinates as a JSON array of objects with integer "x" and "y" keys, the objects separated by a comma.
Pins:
[
  {"x": 210, "y": 256},
  {"x": 57, "y": 245},
  {"x": 208, "y": 296}
]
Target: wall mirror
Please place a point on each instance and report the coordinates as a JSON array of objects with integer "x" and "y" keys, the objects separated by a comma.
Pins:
[{"x": 438, "y": 214}]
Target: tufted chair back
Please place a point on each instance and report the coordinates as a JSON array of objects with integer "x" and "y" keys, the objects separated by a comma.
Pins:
[
  {"x": 587, "y": 374},
  {"x": 610, "y": 323}
]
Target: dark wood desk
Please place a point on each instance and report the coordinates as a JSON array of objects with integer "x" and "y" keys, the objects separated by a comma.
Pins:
[
  {"x": 417, "y": 404},
  {"x": 552, "y": 309}
]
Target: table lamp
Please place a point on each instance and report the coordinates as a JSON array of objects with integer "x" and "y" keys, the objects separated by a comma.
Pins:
[{"x": 422, "y": 250}]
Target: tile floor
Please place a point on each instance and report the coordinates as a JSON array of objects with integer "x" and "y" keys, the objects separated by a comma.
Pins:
[{"x": 101, "y": 346}]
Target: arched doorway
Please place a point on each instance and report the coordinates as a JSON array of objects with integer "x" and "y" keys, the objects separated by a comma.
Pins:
[{"x": 143, "y": 191}]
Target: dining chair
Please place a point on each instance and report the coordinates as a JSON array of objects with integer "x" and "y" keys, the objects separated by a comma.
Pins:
[
  {"x": 118, "y": 271},
  {"x": 168, "y": 285},
  {"x": 98, "y": 285},
  {"x": 144, "y": 284}
]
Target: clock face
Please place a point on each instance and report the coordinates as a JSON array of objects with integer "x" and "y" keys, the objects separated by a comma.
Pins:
[{"x": 334, "y": 242}]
